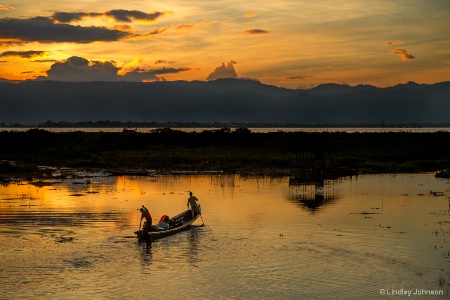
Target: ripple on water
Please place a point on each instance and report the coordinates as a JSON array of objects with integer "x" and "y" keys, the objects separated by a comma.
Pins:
[{"x": 256, "y": 244}]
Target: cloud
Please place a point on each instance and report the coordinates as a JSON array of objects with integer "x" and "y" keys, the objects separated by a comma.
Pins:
[
  {"x": 162, "y": 61},
  {"x": 79, "y": 69},
  {"x": 298, "y": 77},
  {"x": 403, "y": 54},
  {"x": 139, "y": 76},
  {"x": 123, "y": 28},
  {"x": 67, "y": 17},
  {"x": 44, "y": 60},
  {"x": 223, "y": 71},
  {"x": 123, "y": 15},
  {"x": 119, "y": 15},
  {"x": 392, "y": 43},
  {"x": 255, "y": 31},
  {"x": 250, "y": 15},
  {"x": 154, "y": 31},
  {"x": 43, "y": 30},
  {"x": 192, "y": 26},
  {"x": 6, "y": 7},
  {"x": 170, "y": 70},
  {"x": 184, "y": 27},
  {"x": 151, "y": 75},
  {"x": 24, "y": 54}
]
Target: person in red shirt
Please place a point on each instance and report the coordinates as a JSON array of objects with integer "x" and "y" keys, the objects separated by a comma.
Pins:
[{"x": 148, "y": 218}]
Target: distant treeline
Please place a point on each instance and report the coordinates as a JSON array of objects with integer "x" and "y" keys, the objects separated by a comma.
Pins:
[
  {"x": 229, "y": 150},
  {"x": 130, "y": 124}
]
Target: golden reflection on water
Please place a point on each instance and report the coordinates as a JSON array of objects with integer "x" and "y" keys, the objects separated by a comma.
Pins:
[
  {"x": 223, "y": 197},
  {"x": 347, "y": 238}
]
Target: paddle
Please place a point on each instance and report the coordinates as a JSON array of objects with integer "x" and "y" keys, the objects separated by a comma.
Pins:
[
  {"x": 199, "y": 213},
  {"x": 140, "y": 223},
  {"x": 200, "y": 216}
]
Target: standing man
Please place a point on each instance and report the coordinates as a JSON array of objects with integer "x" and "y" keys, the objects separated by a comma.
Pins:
[{"x": 192, "y": 200}]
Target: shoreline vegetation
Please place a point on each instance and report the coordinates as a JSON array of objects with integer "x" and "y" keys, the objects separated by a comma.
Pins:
[
  {"x": 238, "y": 150},
  {"x": 218, "y": 125}
]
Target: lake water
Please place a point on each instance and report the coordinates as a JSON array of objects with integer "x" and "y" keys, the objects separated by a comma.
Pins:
[{"x": 365, "y": 237}]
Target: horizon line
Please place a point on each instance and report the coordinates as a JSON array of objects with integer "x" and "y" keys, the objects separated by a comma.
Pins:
[{"x": 410, "y": 82}]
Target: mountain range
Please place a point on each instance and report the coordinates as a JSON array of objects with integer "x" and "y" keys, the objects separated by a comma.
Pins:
[{"x": 222, "y": 100}]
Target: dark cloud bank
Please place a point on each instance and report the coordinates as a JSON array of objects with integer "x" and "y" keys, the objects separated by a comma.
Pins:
[
  {"x": 222, "y": 100},
  {"x": 79, "y": 69},
  {"x": 43, "y": 30}
]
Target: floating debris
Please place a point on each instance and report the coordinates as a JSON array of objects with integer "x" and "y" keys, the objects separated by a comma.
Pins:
[
  {"x": 63, "y": 239},
  {"x": 436, "y": 194},
  {"x": 381, "y": 226},
  {"x": 365, "y": 213}
]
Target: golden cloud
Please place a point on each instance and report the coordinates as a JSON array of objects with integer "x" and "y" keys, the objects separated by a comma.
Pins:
[
  {"x": 250, "y": 15},
  {"x": 184, "y": 27},
  {"x": 403, "y": 54},
  {"x": 6, "y": 7},
  {"x": 255, "y": 31}
]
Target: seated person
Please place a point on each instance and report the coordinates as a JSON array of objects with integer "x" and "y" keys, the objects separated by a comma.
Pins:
[{"x": 164, "y": 222}]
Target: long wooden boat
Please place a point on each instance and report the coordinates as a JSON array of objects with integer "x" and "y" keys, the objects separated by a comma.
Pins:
[{"x": 176, "y": 224}]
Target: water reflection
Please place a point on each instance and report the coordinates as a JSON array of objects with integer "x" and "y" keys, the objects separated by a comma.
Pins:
[
  {"x": 146, "y": 254},
  {"x": 254, "y": 242},
  {"x": 313, "y": 195},
  {"x": 164, "y": 253},
  {"x": 193, "y": 250}
]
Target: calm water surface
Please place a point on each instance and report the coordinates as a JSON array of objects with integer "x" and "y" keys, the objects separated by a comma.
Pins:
[{"x": 354, "y": 238}]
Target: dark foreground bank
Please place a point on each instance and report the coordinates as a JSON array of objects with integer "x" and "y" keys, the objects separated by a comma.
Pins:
[{"x": 238, "y": 150}]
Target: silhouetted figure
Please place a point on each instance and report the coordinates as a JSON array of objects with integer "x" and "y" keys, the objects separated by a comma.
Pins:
[
  {"x": 148, "y": 218},
  {"x": 192, "y": 201}
]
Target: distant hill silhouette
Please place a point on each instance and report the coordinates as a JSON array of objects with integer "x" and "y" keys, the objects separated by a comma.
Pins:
[
  {"x": 223, "y": 100},
  {"x": 333, "y": 89}
]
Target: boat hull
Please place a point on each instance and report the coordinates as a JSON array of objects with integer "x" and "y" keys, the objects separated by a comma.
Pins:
[{"x": 178, "y": 223}]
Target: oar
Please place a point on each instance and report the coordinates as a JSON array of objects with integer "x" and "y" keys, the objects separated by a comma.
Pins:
[
  {"x": 140, "y": 223},
  {"x": 200, "y": 216}
]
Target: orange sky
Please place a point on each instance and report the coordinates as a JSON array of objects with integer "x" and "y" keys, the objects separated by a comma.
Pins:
[{"x": 289, "y": 43}]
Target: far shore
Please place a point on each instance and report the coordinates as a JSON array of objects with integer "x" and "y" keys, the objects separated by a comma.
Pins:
[{"x": 224, "y": 150}]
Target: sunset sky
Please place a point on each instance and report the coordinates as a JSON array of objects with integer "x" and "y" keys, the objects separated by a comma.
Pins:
[{"x": 288, "y": 43}]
